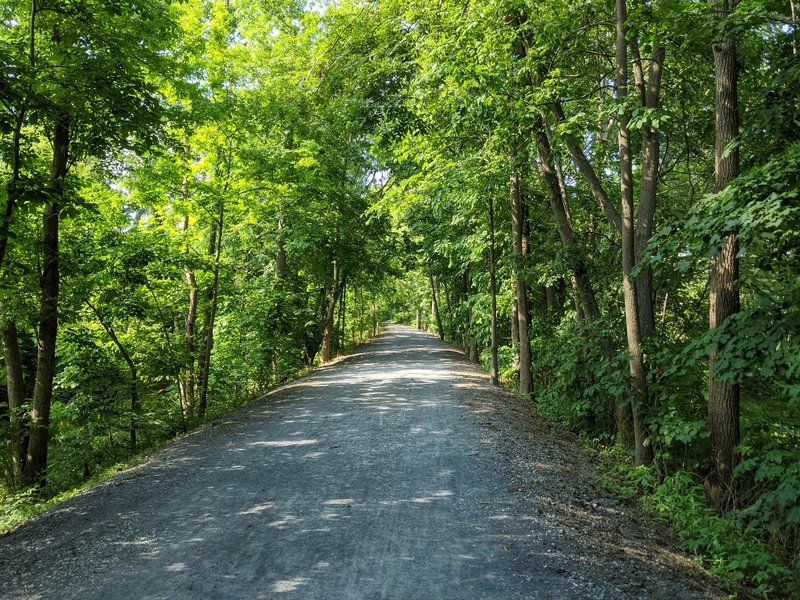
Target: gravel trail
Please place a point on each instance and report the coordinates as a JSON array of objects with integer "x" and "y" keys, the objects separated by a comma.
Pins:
[{"x": 397, "y": 472}]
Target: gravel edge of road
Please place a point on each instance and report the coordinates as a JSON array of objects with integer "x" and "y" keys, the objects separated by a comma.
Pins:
[{"x": 515, "y": 425}]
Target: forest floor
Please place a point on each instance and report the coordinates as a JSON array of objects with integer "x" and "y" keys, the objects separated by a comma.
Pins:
[{"x": 397, "y": 472}]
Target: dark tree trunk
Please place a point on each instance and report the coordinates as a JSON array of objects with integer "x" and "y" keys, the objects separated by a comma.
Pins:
[
  {"x": 35, "y": 468},
  {"x": 280, "y": 254},
  {"x": 493, "y": 371},
  {"x": 15, "y": 384},
  {"x": 342, "y": 316},
  {"x": 328, "y": 332},
  {"x": 723, "y": 396},
  {"x": 188, "y": 383},
  {"x": 517, "y": 230},
  {"x": 586, "y": 169},
  {"x": 650, "y": 92},
  {"x": 212, "y": 295},
  {"x": 435, "y": 307},
  {"x": 449, "y": 311}
]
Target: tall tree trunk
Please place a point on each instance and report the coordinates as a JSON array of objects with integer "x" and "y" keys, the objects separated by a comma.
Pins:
[
  {"x": 648, "y": 186},
  {"x": 35, "y": 468},
  {"x": 15, "y": 384},
  {"x": 360, "y": 314},
  {"x": 470, "y": 343},
  {"x": 419, "y": 318},
  {"x": 493, "y": 370},
  {"x": 643, "y": 452},
  {"x": 215, "y": 249},
  {"x": 374, "y": 317},
  {"x": 449, "y": 312},
  {"x": 342, "y": 316},
  {"x": 435, "y": 307},
  {"x": 723, "y": 396},
  {"x": 134, "y": 383},
  {"x": 517, "y": 229},
  {"x": 330, "y": 313},
  {"x": 188, "y": 383}
]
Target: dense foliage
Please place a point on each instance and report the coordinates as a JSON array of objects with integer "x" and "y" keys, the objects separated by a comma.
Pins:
[
  {"x": 213, "y": 232},
  {"x": 598, "y": 201}
]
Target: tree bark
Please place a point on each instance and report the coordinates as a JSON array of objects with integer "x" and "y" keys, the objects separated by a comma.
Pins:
[
  {"x": 328, "y": 332},
  {"x": 215, "y": 249},
  {"x": 648, "y": 186},
  {"x": 643, "y": 452},
  {"x": 517, "y": 228},
  {"x": 35, "y": 468},
  {"x": 723, "y": 396},
  {"x": 340, "y": 339},
  {"x": 188, "y": 384},
  {"x": 15, "y": 384},
  {"x": 435, "y": 306},
  {"x": 493, "y": 370}
]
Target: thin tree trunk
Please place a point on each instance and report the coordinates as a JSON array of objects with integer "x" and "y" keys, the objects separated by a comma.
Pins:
[
  {"x": 419, "y": 318},
  {"x": 723, "y": 396},
  {"x": 470, "y": 343},
  {"x": 35, "y": 468},
  {"x": 643, "y": 452},
  {"x": 435, "y": 307},
  {"x": 328, "y": 331},
  {"x": 374, "y": 317},
  {"x": 187, "y": 386},
  {"x": 493, "y": 370},
  {"x": 449, "y": 312},
  {"x": 360, "y": 314},
  {"x": 15, "y": 384},
  {"x": 134, "y": 384},
  {"x": 215, "y": 248},
  {"x": 343, "y": 316},
  {"x": 517, "y": 229}
]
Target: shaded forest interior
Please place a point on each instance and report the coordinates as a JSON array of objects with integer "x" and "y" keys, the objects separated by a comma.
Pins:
[{"x": 597, "y": 201}]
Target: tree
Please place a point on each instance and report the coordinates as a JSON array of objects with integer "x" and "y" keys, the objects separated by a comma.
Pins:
[{"x": 723, "y": 396}]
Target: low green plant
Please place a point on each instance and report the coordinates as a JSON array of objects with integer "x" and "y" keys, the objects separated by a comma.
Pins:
[{"x": 738, "y": 548}]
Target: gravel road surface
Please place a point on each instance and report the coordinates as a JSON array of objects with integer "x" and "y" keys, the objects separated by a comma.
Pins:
[{"x": 397, "y": 472}]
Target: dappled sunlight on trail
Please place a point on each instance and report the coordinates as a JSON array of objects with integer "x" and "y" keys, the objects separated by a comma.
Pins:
[{"x": 369, "y": 478}]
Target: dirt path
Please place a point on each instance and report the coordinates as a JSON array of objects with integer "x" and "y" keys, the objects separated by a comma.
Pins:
[{"x": 396, "y": 473}]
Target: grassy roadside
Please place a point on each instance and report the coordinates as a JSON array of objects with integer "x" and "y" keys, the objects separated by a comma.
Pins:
[{"x": 733, "y": 551}]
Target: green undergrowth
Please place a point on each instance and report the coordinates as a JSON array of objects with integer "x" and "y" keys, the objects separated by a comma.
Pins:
[
  {"x": 735, "y": 547},
  {"x": 18, "y": 507}
]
